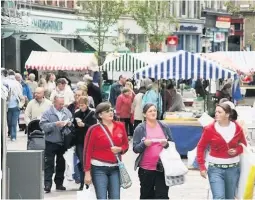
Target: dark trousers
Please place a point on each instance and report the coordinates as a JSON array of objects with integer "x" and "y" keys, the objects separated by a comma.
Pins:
[
  {"x": 136, "y": 123},
  {"x": 128, "y": 125},
  {"x": 53, "y": 150},
  {"x": 79, "y": 153},
  {"x": 152, "y": 184}
]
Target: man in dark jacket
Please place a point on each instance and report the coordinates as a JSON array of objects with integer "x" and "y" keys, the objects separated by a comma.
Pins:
[
  {"x": 116, "y": 89},
  {"x": 93, "y": 90}
]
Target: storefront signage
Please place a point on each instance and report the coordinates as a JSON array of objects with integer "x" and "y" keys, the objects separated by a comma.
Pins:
[
  {"x": 219, "y": 37},
  {"x": 188, "y": 28},
  {"x": 223, "y": 22},
  {"x": 48, "y": 24}
]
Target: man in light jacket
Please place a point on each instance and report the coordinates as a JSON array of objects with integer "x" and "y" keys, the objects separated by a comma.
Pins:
[
  {"x": 52, "y": 122},
  {"x": 37, "y": 106}
]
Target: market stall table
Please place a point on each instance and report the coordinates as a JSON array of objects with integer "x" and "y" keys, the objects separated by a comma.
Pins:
[{"x": 186, "y": 134}]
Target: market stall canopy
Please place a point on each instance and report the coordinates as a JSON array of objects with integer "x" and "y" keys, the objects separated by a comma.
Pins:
[
  {"x": 122, "y": 62},
  {"x": 53, "y": 61},
  {"x": 184, "y": 65},
  {"x": 235, "y": 60}
]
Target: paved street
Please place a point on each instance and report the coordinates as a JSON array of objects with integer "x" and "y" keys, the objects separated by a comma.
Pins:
[{"x": 194, "y": 188}]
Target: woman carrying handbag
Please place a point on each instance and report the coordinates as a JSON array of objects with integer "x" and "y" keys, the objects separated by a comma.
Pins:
[
  {"x": 83, "y": 119},
  {"x": 101, "y": 164},
  {"x": 150, "y": 137}
]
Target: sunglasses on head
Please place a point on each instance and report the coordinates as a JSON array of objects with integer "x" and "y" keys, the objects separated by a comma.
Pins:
[{"x": 109, "y": 110}]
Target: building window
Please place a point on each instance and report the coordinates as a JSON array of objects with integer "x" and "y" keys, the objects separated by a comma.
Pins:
[
  {"x": 237, "y": 27},
  {"x": 183, "y": 7},
  {"x": 62, "y": 3}
]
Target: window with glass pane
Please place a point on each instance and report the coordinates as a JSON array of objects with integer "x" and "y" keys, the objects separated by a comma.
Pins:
[
  {"x": 69, "y": 45},
  {"x": 183, "y": 7},
  {"x": 62, "y": 3},
  {"x": 194, "y": 44}
]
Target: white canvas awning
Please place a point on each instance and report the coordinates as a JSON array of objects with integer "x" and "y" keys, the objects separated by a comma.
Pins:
[
  {"x": 107, "y": 47},
  {"x": 47, "y": 43},
  {"x": 42, "y": 60}
]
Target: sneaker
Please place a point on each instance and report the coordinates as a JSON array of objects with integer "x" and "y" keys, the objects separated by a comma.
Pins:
[
  {"x": 13, "y": 140},
  {"x": 60, "y": 187}
]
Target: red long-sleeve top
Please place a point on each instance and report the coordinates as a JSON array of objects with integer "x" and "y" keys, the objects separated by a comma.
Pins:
[
  {"x": 218, "y": 146},
  {"x": 98, "y": 147},
  {"x": 123, "y": 106}
]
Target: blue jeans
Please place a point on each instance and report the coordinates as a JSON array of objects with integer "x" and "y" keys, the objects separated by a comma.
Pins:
[
  {"x": 76, "y": 175},
  {"x": 223, "y": 182},
  {"x": 12, "y": 121},
  {"x": 106, "y": 179}
]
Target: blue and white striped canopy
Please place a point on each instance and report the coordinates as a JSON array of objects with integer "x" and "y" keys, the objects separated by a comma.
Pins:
[{"x": 184, "y": 65}]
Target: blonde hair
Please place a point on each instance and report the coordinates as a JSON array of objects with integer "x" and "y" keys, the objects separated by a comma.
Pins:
[
  {"x": 84, "y": 88},
  {"x": 83, "y": 99},
  {"x": 129, "y": 85}
]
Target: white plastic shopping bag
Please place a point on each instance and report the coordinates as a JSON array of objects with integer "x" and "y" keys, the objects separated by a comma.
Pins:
[
  {"x": 87, "y": 193},
  {"x": 247, "y": 175},
  {"x": 68, "y": 156},
  {"x": 172, "y": 162},
  {"x": 192, "y": 157}
]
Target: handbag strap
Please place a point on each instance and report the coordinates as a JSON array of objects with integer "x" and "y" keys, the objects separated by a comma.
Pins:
[
  {"x": 87, "y": 115},
  {"x": 110, "y": 140}
]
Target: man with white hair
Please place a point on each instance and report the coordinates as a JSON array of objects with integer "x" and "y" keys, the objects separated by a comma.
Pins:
[
  {"x": 32, "y": 83},
  {"x": 52, "y": 122},
  {"x": 37, "y": 106}
]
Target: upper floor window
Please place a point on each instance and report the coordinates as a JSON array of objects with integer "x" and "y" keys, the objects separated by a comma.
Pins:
[{"x": 183, "y": 7}]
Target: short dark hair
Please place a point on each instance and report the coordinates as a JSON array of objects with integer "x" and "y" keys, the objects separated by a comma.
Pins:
[
  {"x": 147, "y": 107},
  {"x": 170, "y": 86},
  {"x": 61, "y": 81},
  {"x": 120, "y": 77},
  {"x": 11, "y": 73},
  {"x": 104, "y": 106}
]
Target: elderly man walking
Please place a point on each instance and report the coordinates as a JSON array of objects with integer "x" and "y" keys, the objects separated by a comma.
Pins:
[
  {"x": 37, "y": 106},
  {"x": 52, "y": 123}
]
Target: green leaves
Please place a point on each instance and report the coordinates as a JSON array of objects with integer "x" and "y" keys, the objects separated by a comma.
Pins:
[{"x": 155, "y": 19}]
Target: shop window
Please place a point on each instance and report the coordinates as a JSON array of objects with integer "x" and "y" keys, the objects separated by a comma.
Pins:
[{"x": 180, "y": 42}]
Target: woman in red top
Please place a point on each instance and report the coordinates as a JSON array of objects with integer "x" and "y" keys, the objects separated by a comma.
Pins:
[
  {"x": 224, "y": 138},
  {"x": 100, "y": 163},
  {"x": 123, "y": 109}
]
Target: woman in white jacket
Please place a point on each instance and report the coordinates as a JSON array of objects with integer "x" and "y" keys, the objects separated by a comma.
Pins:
[{"x": 137, "y": 108}]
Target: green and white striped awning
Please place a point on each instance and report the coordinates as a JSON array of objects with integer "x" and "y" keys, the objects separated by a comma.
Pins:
[{"x": 123, "y": 62}]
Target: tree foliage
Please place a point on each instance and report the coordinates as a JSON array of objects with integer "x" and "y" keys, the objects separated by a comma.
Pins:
[
  {"x": 155, "y": 19},
  {"x": 102, "y": 15}
]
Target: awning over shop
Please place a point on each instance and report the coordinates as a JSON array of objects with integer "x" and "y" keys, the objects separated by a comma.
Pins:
[
  {"x": 42, "y": 60},
  {"x": 235, "y": 60},
  {"x": 48, "y": 43},
  {"x": 184, "y": 65},
  {"x": 122, "y": 62},
  {"x": 107, "y": 47}
]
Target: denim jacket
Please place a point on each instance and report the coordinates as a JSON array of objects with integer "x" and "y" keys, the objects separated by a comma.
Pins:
[
  {"x": 47, "y": 123},
  {"x": 138, "y": 143}
]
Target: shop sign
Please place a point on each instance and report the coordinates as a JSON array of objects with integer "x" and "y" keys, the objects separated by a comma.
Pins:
[
  {"x": 223, "y": 22},
  {"x": 219, "y": 37},
  {"x": 188, "y": 28},
  {"x": 194, "y": 28},
  {"x": 48, "y": 24}
]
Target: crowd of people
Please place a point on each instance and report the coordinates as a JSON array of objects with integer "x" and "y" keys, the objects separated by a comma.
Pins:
[{"x": 128, "y": 115}]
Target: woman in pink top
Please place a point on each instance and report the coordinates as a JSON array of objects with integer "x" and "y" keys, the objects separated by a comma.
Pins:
[
  {"x": 123, "y": 109},
  {"x": 150, "y": 137}
]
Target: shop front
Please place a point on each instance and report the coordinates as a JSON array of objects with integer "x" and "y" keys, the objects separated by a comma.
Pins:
[
  {"x": 189, "y": 36},
  {"x": 59, "y": 32}
]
